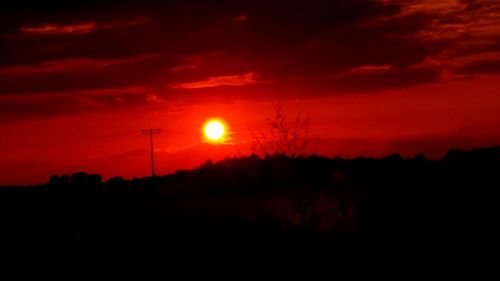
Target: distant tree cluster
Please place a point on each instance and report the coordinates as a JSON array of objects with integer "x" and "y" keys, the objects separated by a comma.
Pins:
[{"x": 78, "y": 181}]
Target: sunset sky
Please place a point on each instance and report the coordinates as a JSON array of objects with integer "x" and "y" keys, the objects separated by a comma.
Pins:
[{"x": 79, "y": 80}]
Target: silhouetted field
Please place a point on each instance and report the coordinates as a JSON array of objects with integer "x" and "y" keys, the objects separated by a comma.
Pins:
[{"x": 273, "y": 203}]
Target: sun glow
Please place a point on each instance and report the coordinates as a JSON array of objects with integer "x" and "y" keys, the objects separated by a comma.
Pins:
[{"x": 214, "y": 130}]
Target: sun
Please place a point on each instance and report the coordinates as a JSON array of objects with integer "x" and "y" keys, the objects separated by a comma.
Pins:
[{"x": 214, "y": 130}]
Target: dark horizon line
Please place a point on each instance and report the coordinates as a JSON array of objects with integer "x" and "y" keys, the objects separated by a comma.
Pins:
[{"x": 452, "y": 154}]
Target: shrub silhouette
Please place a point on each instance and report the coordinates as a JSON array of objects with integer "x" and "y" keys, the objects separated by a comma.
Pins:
[{"x": 284, "y": 136}]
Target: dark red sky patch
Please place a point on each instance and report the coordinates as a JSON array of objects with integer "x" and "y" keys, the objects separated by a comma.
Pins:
[{"x": 389, "y": 76}]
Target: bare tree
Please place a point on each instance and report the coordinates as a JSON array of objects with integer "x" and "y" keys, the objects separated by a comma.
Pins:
[{"x": 287, "y": 137}]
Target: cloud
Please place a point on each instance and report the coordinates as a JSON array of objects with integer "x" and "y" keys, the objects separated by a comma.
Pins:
[
  {"x": 52, "y": 29},
  {"x": 79, "y": 28},
  {"x": 371, "y": 68},
  {"x": 465, "y": 29},
  {"x": 79, "y": 74},
  {"x": 42, "y": 105},
  {"x": 229, "y": 80},
  {"x": 382, "y": 78},
  {"x": 72, "y": 65},
  {"x": 192, "y": 49},
  {"x": 480, "y": 67}
]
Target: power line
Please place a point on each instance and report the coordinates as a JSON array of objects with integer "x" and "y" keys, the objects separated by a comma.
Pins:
[{"x": 151, "y": 132}]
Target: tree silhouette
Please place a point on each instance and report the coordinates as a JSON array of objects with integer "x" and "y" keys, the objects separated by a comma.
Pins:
[{"x": 286, "y": 137}]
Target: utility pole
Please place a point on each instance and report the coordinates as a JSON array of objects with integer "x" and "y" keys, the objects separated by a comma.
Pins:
[{"x": 151, "y": 132}]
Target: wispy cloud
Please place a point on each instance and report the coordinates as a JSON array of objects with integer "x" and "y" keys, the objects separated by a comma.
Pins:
[
  {"x": 73, "y": 65},
  {"x": 230, "y": 80},
  {"x": 55, "y": 29},
  {"x": 371, "y": 68},
  {"x": 79, "y": 28}
]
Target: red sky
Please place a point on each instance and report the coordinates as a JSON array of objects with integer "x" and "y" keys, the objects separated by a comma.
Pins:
[{"x": 79, "y": 81}]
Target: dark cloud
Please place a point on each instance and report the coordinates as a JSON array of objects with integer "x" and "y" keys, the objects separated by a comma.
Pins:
[
  {"x": 23, "y": 107},
  {"x": 389, "y": 79},
  {"x": 319, "y": 43},
  {"x": 480, "y": 67},
  {"x": 472, "y": 4},
  {"x": 87, "y": 75},
  {"x": 124, "y": 41}
]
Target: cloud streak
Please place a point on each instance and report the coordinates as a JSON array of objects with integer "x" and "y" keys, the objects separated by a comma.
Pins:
[
  {"x": 72, "y": 65},
  {"x": 54, "y": 29},
  {"x": 228, "y": 80},
  {"x": 79, "y": 28}
]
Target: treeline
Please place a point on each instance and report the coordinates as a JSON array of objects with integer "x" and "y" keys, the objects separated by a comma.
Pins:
[{"x": 253, "y": 199}]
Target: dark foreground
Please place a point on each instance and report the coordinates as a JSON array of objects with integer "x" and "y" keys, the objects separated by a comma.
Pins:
[{"x": 276, "y": 204}]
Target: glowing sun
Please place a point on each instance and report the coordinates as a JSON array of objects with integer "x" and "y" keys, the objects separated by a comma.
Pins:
[{"x": 214, "y": 130}]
